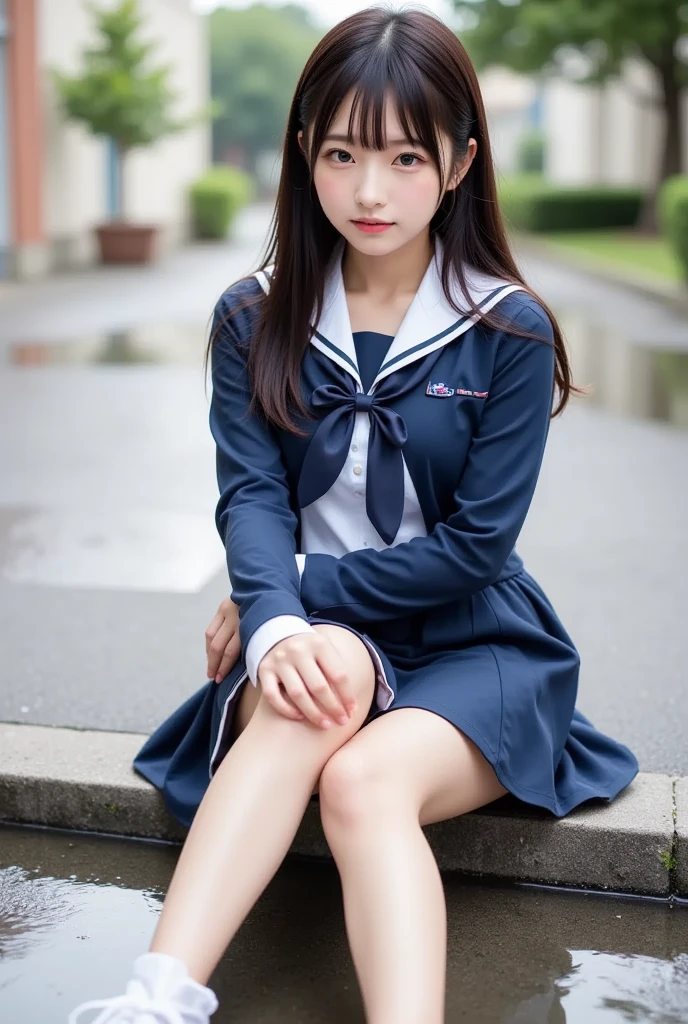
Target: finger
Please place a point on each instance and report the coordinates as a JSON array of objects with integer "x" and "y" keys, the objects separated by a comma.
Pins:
[
  {"x": 334, "y": 669},
  {"x": 292, "y": 682},
  {"x": 229, "y": 658},
  {"x": 212, "y": 629},
  {"x": 322, "y": 692},
  {"x": 275, "y": 698},
  {"x": 218, "y": 647}
]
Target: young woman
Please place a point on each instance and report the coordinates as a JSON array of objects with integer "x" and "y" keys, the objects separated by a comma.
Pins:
[{"x": 382, "y": 391}]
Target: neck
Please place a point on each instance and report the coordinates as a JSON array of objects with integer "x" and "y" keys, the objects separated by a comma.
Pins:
[{"x": 385, "y": 277}]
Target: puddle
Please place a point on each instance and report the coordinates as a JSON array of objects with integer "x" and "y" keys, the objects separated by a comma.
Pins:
[
  {"x": 627, "y": 379},
  {"x": 75, "y": 910}
]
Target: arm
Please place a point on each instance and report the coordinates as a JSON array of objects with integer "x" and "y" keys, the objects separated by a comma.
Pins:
[
  {"x": 253, "y": 515},
  {"x": 467, "y": 552}
]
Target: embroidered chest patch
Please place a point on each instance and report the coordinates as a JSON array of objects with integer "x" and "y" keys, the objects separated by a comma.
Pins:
[{"x": 440, "y": 390}]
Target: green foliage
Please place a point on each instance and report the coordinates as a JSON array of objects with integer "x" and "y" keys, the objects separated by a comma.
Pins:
[
  {"x": 527, "y": 34},
  {"x": 216, "y": 198},
  {"x": 530, "y": 155},
  {"x": 673, "y": 216},
  {"x": 668, "y": 859},
  {"x": 256, "y": 58},
  {"x": 530, "y": 203},
  {"x": 119, "y": 93}
]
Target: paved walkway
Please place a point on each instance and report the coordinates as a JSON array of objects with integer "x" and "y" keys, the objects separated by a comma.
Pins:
[{"x": 109, "y": 564}]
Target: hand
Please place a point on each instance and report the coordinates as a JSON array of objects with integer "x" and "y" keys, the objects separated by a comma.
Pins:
[
  {"x": 317, "y": 686},
  {"x": 222, "y": 643}
]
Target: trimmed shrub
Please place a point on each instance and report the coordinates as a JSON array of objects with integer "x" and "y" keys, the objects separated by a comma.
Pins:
[
  {"x": 672, "y": 208},
  {"x": 530, "y": 152},
  {"x": 530, "y": 203},
  {"x": 216, "y": 198}
]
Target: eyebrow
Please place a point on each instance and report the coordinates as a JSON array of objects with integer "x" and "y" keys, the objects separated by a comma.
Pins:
[{"x": 390, "y": 142}]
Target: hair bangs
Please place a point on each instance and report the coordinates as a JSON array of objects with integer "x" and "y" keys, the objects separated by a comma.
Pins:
[{"x": 375, "y": 84}]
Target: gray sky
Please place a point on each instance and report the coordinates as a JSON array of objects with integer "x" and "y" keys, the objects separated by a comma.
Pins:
[{"x": 328, "y": 12}]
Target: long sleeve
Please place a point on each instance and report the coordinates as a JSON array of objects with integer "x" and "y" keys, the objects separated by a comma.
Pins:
[
  {"x": 465, "y": 553},
  {"x": 253, "y": 515}
]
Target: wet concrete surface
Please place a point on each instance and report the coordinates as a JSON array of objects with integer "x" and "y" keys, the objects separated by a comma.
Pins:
[
  {"x": 76, "y": 910},
  {"x": 110, "y": 565}
]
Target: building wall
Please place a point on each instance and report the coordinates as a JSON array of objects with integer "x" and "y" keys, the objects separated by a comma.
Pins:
[
  {"x": 75, "y": 182},
  {"x": 509, "y": 101},
  {"x": 604, "y": 134}
]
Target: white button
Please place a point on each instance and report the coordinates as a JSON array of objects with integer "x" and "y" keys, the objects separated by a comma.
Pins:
[
  {"x": 358, "y": 470},
  {"x": 354, "y": 447}
]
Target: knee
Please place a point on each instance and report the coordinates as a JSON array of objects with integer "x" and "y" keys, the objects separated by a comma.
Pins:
[
  {"x": 354, "y": 789},
  {"x": 354, "y": 655}
]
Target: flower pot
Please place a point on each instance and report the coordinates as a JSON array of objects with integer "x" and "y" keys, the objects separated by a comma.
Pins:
[{"x": 122, "y": 242}]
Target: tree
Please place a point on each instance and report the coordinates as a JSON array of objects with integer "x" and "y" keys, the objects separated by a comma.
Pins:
[
  {"x": 533, "y": 35},
  {"x": 119, "y": 94},
  {"x": 256, "y": 58}
]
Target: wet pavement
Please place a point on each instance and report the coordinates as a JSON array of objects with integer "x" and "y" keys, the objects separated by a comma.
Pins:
[
  {"x": 69, "y": 931},
  {"x": 110, "y": 566}
]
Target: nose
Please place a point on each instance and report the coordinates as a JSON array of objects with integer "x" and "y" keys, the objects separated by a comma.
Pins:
[{"x": 370, "y": 189}]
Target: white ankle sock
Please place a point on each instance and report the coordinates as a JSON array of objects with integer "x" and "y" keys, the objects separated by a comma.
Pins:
[
  {"x": 164, "y": 976},
  {"x": 160, "y": 991}
]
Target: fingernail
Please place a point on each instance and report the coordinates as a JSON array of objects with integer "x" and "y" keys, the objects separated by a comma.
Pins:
[
  {"x": 326, "y": 723},
  {"x": 342, "y": 720},
  {"x": 218, "y": 678}
]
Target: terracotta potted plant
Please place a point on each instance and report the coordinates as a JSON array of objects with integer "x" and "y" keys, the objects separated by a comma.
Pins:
[{"x": 120, "y": 95}]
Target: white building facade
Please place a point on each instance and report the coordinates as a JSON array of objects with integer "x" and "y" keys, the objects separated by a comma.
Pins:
[
  {"x": 610, "y": 134},
  {"x": 58, "y": 180}
]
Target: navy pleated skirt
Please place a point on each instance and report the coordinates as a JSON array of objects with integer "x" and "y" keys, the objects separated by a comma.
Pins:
[{"x": 499, "y": 666}]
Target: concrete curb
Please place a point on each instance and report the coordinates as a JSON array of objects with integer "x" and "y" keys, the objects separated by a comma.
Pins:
[
  {"x": 653, "y": 287},
  {"x": 83, "y": 780}
]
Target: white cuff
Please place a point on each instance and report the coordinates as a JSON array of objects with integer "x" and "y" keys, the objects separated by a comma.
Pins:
[
  {"x": 300, "y": 565},
  {"x": 269, "y": 634}
]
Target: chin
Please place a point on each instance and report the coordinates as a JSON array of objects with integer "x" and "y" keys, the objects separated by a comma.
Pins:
[{"x": 374, "y": 244}]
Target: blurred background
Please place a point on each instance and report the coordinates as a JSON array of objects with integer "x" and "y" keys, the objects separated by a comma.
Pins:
[{"x": 139, "y": 155}]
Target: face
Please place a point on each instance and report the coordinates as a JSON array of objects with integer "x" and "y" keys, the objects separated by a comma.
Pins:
[{"x": 399, "y": 186}]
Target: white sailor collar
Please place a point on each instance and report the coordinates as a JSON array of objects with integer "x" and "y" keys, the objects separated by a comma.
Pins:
[{"x": 430, "y": 321}]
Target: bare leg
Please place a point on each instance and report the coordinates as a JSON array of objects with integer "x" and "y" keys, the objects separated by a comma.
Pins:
[
  {"x": 248, "y": 819},
  {"x": 404, "y": 770}
]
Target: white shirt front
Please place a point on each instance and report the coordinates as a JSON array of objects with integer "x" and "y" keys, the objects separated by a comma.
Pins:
[{"x": 337, "y": 522}]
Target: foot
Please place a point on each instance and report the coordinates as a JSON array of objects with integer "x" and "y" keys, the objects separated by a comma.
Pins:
[{"x": 159, "y": 992}]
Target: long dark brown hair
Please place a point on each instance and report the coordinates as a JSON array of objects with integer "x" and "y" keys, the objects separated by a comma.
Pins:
[{"x": 417, "y": 59}]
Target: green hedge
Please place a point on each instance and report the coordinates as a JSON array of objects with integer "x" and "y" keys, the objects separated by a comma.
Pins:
[
  {"x": 530, "y": 155},
  {"x": 216, "y": 198},
  {"x": 672, "y": 209},
  {"x": 530, "y": 203}
]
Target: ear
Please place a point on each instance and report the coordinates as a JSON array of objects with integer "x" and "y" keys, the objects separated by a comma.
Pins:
[
  {"x": 461, "y": 168},
  {"x": 299, "y": 139}
]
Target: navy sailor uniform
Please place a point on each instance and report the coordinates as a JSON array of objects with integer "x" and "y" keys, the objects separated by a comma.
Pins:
[{"x": 396, "y": 516}]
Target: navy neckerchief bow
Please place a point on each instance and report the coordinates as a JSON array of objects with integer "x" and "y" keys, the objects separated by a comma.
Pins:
[{"x": 329, "y": 446}]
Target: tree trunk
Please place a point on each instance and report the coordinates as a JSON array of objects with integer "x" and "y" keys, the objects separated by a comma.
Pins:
[
  {"x": 672, "y": 155},
  {"x": 671, "y": 160}
]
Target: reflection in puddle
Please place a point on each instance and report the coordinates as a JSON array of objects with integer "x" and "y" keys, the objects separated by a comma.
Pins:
[
  {"x": 30, "y": 906},
  {"x": 148, "y": 344},
  {"x": 627, "y": 379},
  {"x": 75, "y": 910},
  {"x": 614, "y": 987}
]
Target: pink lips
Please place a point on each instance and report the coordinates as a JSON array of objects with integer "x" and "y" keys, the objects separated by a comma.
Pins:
[{"x": 371, "y": 229}]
